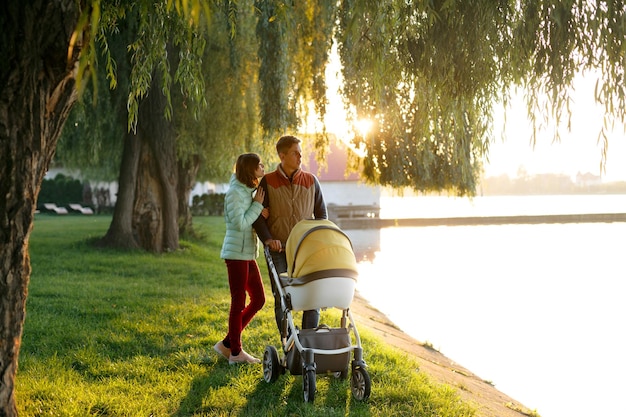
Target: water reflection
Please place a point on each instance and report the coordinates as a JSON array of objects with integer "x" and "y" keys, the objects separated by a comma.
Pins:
[
  {"x": 534, "y": 308},
  {"x": 365, "y": 243}
]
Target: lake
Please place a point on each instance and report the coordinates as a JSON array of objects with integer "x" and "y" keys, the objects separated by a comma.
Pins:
[{"x": 536, "y": 309}]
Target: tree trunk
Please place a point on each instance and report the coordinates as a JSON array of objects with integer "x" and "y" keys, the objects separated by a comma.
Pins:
[
  {"x": 146, "y": 210},
  {"x": 187, "y": 172},
  {"x": 155, "y": 216},
  {"x": 120, "y": 233},
  {"x": 37, "y": 91}
]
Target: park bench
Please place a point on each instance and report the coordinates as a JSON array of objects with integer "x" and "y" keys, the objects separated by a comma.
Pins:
[
  {"x": 52, "y": 208},
  {"x": 80, "y": 209}
]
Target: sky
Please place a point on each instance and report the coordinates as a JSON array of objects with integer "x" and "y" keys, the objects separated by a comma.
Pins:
[{"x": 578, "y": 150}]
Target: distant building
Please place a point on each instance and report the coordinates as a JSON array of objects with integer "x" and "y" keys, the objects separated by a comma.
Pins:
[
  {"x": 587, "y": 179},
  {"x": 345, "y": 195}
]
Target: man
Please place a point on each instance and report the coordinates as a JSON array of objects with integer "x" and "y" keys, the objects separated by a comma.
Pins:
[{"x": 291, "y": 195}]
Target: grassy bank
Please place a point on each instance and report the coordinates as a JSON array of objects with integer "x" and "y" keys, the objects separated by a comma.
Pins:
[{"x": 112, "y": 333}]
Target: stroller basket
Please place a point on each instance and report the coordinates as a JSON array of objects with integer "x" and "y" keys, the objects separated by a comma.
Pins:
[{"x": 326, "y": 339}]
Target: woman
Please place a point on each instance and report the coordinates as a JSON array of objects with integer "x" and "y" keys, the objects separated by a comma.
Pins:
[{"x": 240, "y": 250}]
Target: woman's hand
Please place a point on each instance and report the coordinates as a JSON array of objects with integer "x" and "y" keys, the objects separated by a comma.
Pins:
[
  {"x": 260, "y": 195},
  {"x": 265, "y": 212}
]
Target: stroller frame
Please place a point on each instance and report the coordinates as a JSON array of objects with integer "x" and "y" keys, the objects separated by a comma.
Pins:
[{"x": 309, "y": 352}]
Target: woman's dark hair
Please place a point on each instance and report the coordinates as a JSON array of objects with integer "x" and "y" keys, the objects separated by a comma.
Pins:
[{"x": 247, "y": 163}]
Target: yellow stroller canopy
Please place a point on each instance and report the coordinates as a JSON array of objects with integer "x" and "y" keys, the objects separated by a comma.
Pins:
[{"x": 319, "y": 249}]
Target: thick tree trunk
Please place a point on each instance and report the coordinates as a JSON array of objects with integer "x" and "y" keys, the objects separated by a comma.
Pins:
[
  {"x": 36, "y": 94},
  {"x": 155, "y": 216},
  {"x": 146, "y": 210},
  {"x": 120, "y": 233}
]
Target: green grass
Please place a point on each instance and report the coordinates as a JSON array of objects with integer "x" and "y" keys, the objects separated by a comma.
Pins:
[{"x": 111, "y": 333}]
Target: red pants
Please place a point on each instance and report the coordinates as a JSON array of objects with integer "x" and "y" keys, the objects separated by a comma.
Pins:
[{"x": 243, "y": 277}]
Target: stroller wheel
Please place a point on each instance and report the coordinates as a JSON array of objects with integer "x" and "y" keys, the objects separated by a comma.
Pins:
[
  {"x": 271, "y": 367},
  {"x": 360, "y": 384},
  {"x": 308, "y": 385}
]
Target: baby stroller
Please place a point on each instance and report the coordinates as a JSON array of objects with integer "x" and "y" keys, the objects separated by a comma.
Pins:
[{"x": 322, "y": 274}]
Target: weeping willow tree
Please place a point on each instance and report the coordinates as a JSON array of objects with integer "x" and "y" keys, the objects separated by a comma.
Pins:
[
  {"x": 554, "y": 41},
  {"x": 430, "y": 72},
  {"x": 209, "y": 141},
  {"x": 49, "y": 51},
  {"x": 295, "y": 40},
  {"x": 208, "y": 137}
]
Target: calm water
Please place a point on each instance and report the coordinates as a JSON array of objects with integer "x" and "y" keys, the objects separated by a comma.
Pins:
[{"x": 538, "y": 310}]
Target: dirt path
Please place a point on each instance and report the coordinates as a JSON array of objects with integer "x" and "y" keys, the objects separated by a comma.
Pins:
[{"x": 488, "y": 400}]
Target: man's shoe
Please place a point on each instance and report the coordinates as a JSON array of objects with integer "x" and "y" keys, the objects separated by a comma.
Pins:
[
  {"x": 222, "y": 350},
  {"x": 243, "y": 357}
]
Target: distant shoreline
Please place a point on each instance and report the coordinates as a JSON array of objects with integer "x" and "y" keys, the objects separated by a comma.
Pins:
[{"x": 379, "y": 223}]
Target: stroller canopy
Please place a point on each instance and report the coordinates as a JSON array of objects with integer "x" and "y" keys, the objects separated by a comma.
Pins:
[{"x": 319, "y": 249}]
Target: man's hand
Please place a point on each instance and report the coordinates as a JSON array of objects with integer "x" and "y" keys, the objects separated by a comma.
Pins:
[{"x": 274, "y": 245}]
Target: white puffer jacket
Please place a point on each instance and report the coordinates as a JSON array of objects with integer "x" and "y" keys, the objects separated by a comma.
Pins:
[{"x": 240, "y": 211}]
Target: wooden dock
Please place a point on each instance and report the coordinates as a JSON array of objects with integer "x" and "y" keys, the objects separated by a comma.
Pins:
[
  {"x": 378, "y": 223},
  {"x": 352, "y": 211}
]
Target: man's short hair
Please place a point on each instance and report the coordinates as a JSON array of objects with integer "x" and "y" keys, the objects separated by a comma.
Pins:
[{"x": 286, "y": 142}]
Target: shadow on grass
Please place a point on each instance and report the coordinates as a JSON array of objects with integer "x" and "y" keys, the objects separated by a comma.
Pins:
[
  {"x": 286, "y": 397},
  {"x": 214, "y": 384},
  {"x": 201, "y": 385},
  {"x": 209, "y": 395}
]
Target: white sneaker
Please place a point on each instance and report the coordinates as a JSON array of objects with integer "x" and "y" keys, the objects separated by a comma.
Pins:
[
  {"x": 222, "y": 350},
  {"x": 243, "y": 357}
]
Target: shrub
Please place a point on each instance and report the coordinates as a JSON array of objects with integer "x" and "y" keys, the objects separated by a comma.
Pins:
[
  {"x": 61, "y": 190},
  {"x": 208, "y": 205}
]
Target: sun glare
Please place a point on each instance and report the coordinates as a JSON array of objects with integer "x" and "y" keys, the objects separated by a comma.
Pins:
[{"x": 363, "y": 126}]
